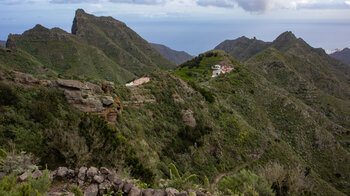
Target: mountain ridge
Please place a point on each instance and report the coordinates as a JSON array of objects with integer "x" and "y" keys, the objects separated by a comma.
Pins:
[
  {"x": 98, "y": 48},
  {"x": 343, "y": 55},
  {"x": 175, "y": 56},
  {"x": 280, "y": 109}
]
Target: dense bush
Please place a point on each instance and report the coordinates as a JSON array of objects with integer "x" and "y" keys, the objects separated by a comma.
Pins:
[
  {"x": 8, "y": 95},
  {"x": 207, "y": 94},
  {"x": 18, "y": 163},
  {"x": 284, "y": 181},
  {"x": 245, "y": 182},
  {"x": 33, "y": 187},
  {"x": 42, "y": 123}
]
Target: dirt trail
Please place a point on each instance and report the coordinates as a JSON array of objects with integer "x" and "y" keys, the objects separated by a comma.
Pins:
[{"x": 237, "y": 168}]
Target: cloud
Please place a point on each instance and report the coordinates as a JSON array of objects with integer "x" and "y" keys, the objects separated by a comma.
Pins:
[
  {"x": 145, "y": 2},
  {"x": 73, "y": 1},
  {"x": 216, "y": 3},
  {"x": 13, "y": 2},
  {"x": 261, "y": 6}
]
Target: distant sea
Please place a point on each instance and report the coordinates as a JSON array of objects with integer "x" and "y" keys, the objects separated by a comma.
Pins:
[{"x": 196, "y": 37}]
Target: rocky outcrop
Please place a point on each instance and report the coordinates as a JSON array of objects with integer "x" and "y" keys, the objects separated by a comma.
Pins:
[
  {"x": 85, "y": 96},
  {"x": 96, "y": 182},
  {"x": 188, "y": 119}
]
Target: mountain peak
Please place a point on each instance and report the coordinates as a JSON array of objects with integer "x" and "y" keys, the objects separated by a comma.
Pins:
[
  {"x": 286, "y": 37},
  {"x": 284, "y": 41},
  {"x": 79, "y": 11},
  {"x": 343, "y": 55}
]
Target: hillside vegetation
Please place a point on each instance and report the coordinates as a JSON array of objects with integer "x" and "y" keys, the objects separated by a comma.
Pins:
[
  {"x": 98, "y": 48},
  {"x": 277, "y": 124}
]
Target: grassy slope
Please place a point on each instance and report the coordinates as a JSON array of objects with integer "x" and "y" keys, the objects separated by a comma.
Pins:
[
  {"x": 277, "y": 113},
  {"x": 199, "y": 68},
  {"x": 67, "y": 55}
]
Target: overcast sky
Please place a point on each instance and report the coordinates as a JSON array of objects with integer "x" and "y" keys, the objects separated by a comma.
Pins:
[{"x": 194, "y": 26}]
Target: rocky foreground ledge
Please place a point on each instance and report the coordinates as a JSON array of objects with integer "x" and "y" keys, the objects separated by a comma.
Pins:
[{"x": 94, "y": 182}]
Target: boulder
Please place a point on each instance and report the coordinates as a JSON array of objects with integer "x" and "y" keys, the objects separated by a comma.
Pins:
[
  {"x": 103, "y": 187},
  {"x": 93, "y": 87},
  {"x": 159, "y": 193},
  {"x": 92, "y": 104},
  {"x": 81, "y": 182},
  {"x": 53, "y": 175},
  {"x": 111, "y": 177},
  {"x": 62, "y": 172},
  {"x": 171, "y": 191},
  {"x": 105, "y": 171},
  {"x": 72, "y": 84},
  {"x": 82, "y": 173},
  {"x": 107, "y": 100},
  {"x": 36, "y": 174},
  {"x": 127, "y": 186},
  {"x": 99, "y": 179},
  {"x": 117, "y": 181},
  {"x": 148, "y": 192},
  {"x": 135, "y": 191},
  {"x": 182, "y": 193},
  {"x": 108, "y": 87},
  {"x": 188, "y": 119},
  {"x": 91, "y": 172},
  {"x": 24, "y": 78},
  {"x": 23, "y": 177},
  {"x": 71, "y": 173},
  {"x": 73, "y": 96},
  {"x": 91, "y": 190},
  {"x": 60, "y": 194}
]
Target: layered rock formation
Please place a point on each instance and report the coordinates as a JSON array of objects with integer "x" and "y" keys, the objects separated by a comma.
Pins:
[{"x": 85, "y": 96}]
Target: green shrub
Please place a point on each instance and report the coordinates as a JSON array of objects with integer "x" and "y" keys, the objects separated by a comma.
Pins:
[
  {"x": 8, "y": 95},
  {"x": 38, "y": 187},
  {"x": 245, "y": 182},
  {"x": 42, "y": 184},
  {"x": 18, "y": 163},
  {"x": 284, "y": 181},
  {"x": 177, "y": 181},
  {"x": 76, "y": 190},
  {"x": 207, "y": 94}
]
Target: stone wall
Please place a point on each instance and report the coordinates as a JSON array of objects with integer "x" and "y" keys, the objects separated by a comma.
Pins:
[{"x": 95, "y": 182}]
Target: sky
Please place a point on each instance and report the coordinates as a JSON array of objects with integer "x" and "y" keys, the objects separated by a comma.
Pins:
[{"x": 194, "y": 26}]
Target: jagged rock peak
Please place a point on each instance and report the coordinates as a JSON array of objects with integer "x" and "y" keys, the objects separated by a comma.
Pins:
[
  {"x": 285, "y": 37},
  {"x": 79, "y": 11}
]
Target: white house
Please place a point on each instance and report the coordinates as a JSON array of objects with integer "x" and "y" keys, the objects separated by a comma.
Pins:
[{"x": 219, "y": 69}]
